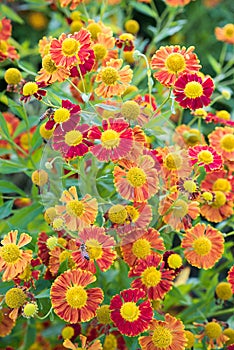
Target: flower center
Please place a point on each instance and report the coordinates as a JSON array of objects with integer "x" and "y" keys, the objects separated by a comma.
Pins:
[
  {"x": 190, "y": 186},
  {"x": 205, "y": 157},
  {"x": 202, "y": 246},
  {"x": 213, "y": 330},
  {"x": 229, "y": 30},
  {"x": 151, "y": 277},
  {"x": 73, "y": 138},
  {"x": 141, "y": 248},
  {"x": 173, "y": 161},
  {"x": 175, "y": 63},
  {"x": 76, "y": 297},
  {"x": 58, "y": 224},
  {"x": 117, "y": 214},
  {"x": 192, "y": 137},
  {"x": 67, "y": 332},
  {"x": 30, "y": 310},
  {"x": 94, "y": 249},
  {"x": 130, "y": 311},
  {"x": 15, "y": 298},
  {"x": 162, "y": 337},
  {"x": 30, "y": 88},
  {"x": 174, "y": 261},
  {"x": 48, "y": 64},
  {"x": 130, "y": 110},
  {"x": 110, "y": 139},
  {"x": 110, "y": 342},
  {"x": 133, "y": 214},
  {"x": 224, "y": 290},
  {"x": 75, "y": 208},
  {"x": 99, "y": 51},
  {"x": 70, "y": 47},
  {"x": 3, "y": 46},
  {"x": 103, "y": 314},
  {"x": 180, "y": 208},
  {"x": 227, "y": 142},
  {"x": 94, "y": 29},
  {"x": 109, "y": 75},
  {"x": 222, "y": 185},
  {"x": 52, "y": 242},
  {"x": 193, "y": 89},
  {"x": 61, "y": 115},
  {"x": 223, "y": 114},
  {"x": 136, "y": 177},
  {"x": 220, "y": 199},
  {"x": 10, "y": 253},
  {"x": 12, "y": 76}
]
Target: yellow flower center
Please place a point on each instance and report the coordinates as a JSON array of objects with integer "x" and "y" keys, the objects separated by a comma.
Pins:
[
  {"x": 45, "y": 134},
  {"x": 192, "y": 137},
  {"x": 10, "y": 253},
  {"x": 133, "y": 214},
  {"x": 175, "y": 63},
  {"x": 110, "y": 139},
  {"x": 193, "y": 89},
  {"x": 229, "y": 332},
  {"x": 103, "y": 314},
  {"x": 73, "y": 138},
  {"x": 227, "y": 142},
  {"x": 136, "y": 177},
  {"x": 64, "y": 255},
  {"x": 52, "y": 242},
  {"x": 70, "y": 47},
  {"x": 205, "y": 157},
  {"x": 222, "y": 185},
  {"x": 100, "y": 51},
  {"x": 75, "y": 208},
  {"x": 229, "y": 30},
  {"x": 110, "y": 342},
  {"x": 30, "y": 310},
  {"x": 190, "y": 339},
  {"x": 58, "y": 224},
  {"x": 75, "y": 26},
  {"x": 94, "y": 29},
  {"x": 15, "y": 298},
  {"x": 213, "y": 330},
  {"x": 67, "y": 332},
  {"x": 190, "y": 186},
  {"x": 180, "y": 208},
  {"x": 130, "y": 311},
  {"x": 117, "y": 214},
  {"x": 162, "y": 337},
  {"x": 173, "y": 161},
  {"x": 220, "y": 199},
  {"x": 76, "y": 297},
  {"x": 141, "y": 248},
  {"x": 61, "y": 115},
  {"x": 109, "y": 76},
  {"x": 207, "y": 196},
  {"x": 151, "y": 277},
  {"x": 48, "y": 64},
  {"x": 30, "y": 88},
  {"x": 130, "y": 110},
  {"x": 3, "y": 46},
  {"x": 94, "y": 249},
  {"x": 12, "y": 76},
  {"x": 174, "y": 261},
  {"x": 40, "y": 177},
  {"x": 132, "y": 26},
  {"x": 202, "y": 246},
  {"x": 224, "y": 291},
  {"x": 26, "y": 274},
  {"x": 223, "y": 114}
]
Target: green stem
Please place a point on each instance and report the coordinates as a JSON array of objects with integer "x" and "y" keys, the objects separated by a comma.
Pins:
[
  {"x": 46, "y": 315},
  {"x": 85, "y": 11},
  {"x": 165, "y": 101},
  {"x": 223, "y": 54},
  {"x": 221, "y": 312},
  {"x": 220, "y": 97},
  {"x": 229, "y": 234}
]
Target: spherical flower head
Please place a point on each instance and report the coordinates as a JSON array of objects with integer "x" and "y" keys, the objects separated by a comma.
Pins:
[
  {"x": 205, "y": 156},
  {"x": 52, "y": 242},
  {"x": 103, "y": 314},
  {"x": 30, "y": 88},
  {"x": 132, "y": 26},
  {"x": 229, "y": 332},
  {"x": 15, "y": 298},
  {"x": 223, "y": 291},
  {"x": 50, "y": 214},
  {"x": 190, "y": 339},
  {"x": 45, "y": 133},
  {"x": 12, "y": 76},
  {"x": 130, "y": 110},
  {"x": 40, "y": 177},
  {"x": 30, "y": 310}
]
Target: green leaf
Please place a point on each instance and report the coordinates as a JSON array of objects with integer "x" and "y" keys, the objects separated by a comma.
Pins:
[
  {"x": 8, "y": 187},
  {"x": 17, "y": 109},
  {"x": 3, "y": 126},
  {"x": 9, "y": 13},
  {"x": 214, "y": 64},
  {"x": 145, "y": 9},
  {"x": 5, "y": 209},
  {"x": 10, "y": 167},
  {"x": 43, "y": 294}
]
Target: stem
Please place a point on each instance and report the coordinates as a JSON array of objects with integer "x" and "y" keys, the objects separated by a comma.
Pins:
[
  {"x": 85, "y": 10},
  {"x": 220, "y": 97},
  {"x": 223, "y": 54},
  {"x": 229, "y": 234},
  {"x": 165, "y": 101},
  {"x": 46, "y": 315},
  {"x": 222, "y": 312}
]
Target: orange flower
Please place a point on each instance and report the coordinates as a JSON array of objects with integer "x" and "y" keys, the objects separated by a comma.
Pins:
[
  {"x": 6, "y": 323},
  {"x": 225, "y": 34},
  {"x": 84, "y": 344},
  {"x": 212, "y": 334},
  {"x": 219, "y": 209},
  {"x": 173, "y": 61},
  {"x": 71, "y": 300},
  {"x": 76, "y": 213},
  {"x": 166, "y": 335},
  {"x": 50, "y": 73},
  {"x": 58, "y": 255},
  {"x": 204, "y": 246},
  {"x": 230, "y": 277},
  {"x": 219, "y": 180},
  {"x": 177, "y": 2},
  {"x": 7, "y": 51},
  {"x": 12, "y": 259},
  {"x": 5, "y": 28},
  {"x": 72, "y": 3},
  {"x": 114, "y": 80},
  {"x": 222, "y": 139},
  {"x": 102, "y": 48}
]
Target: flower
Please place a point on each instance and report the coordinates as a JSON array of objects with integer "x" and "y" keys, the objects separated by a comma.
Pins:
[
  {"x": 172, "y": 61},
  {"x": 12, "y": 76},
  {"x": 152, "y": 277},
  {"x": 50, "y": 72},
  {"x": 223, "y": 291},
  {"x": 15, "y": 298},
  {"x": 68, "y": 111},
  {"x": 76, "y": 213},
  {"x": 222, "y": 139},
  {"x": 12, "y": 259},
  {"x": 7, "y": 51},
  {"x": 136, "y": 181},
  {"x": 220, "y": 208},
  {"x": 189, "y": 187},
  {"x": 115, "y": 141},
  {"x": 84, "y": 344},
  {"x": 204, "y": 246},
  {"x": 212, "y": 334},
  {"x": 166, "y": 335},
  {"x": 219, "y": 180},
  {"x": 113, "y": 79},
  {"x": 32, "y": 88},
  {"x": 99, "y": 248},
  {"x": 230, "y": 277},
  {"x": 130, "y": 313},
  {"x": 72, "y": 3},
  {"x": 191, "y": 91},
  {"x": 225, "y": 34},
  {"x": 205, "y": 156},
  {"x": 70, "y": 298},
  {"x": 6, "y": 323},
  {"x": 5, "y": 28},
  {"x": 102, "y": 48},
  {"x": 175, "y": 3}
]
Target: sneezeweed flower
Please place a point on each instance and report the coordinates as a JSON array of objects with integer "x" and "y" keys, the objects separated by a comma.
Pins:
[
  {"x": 193, "y": 92},
  {"x": 32, "y": 88},
  {"x": 190, "y": 339},
  {"x": 72, "y": 3},
  {"x": 212, "y": 333},
  {"x": 96, "y": 345},
  {"x": 186, "y": 137},
  {"x": 113, "y": 79},
  {"x": 220, "y": 208},
  {"x": 219, "y": 180},
  {"x": 68, "y": 111},
  {"x": 99, "y": 247},
  {"x": 130, "y": 313},
  {"x": 132, "y": 26},
  {"x": 176, "y": 3},
  {"x": 115, "y": 139},
  {"x": 5, "y": 28},
  {"x": 223, "y": 291},
  {"x": 203, "y": 246},
  {"x": 114, "y": 340},
  {"x": 15, "y": 298},
  {"x": 175, "y": 163},
  {"x": 12, "y": 76},
  {"x": 152, "y": 277},
  {"x": 229, "y": 332},
  {"x": 76, "y": 213},
  {"x": 70, "y": 331},
  {"x": 50, "y": 72},
  {"x": 70, "y": 298},
  {"x": 7, "y": 51},
  {"x": 189, "y": 187},
  {"x": 6, "y": 323},
  {"x": 166, "y": 335},
  {"x": 102, "y": 48},
  {"x": 172, "y": 61},
  {"x": 58, "y": 255},
  {"x": 13, "y": 260},
  {"x": 103, "y": 314},
  {"x": 225, "y": 34},
  {"x": 30, "y": 309},
  {"x": 40, "y": 177},
  {"x": 173, "y": 261},
  {"x": 205, "y": 156},
  {"x": 222, "y": 139},
  {"x": 136, "y": 181},
  {"x": 230, "y": 278}
]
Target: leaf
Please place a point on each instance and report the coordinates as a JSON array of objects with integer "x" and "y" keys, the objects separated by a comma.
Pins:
[
  {"x": 5, "y": 209},
  {"x": 214, "y": 64},
  {"x": 9, "y": 13},
  {"x": 17, "y": 109},
  {"x": 43, "y": 294},
  {"x": 10, "y": 167},
  {"x": 145, "y": 9},
  {"x": 22, "y": 217},
  {"x": 3, "y": 126},
  {"x": 8, "y": 187}
]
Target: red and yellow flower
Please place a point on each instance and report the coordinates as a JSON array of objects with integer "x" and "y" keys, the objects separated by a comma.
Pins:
[
  {"x": 5, "y": 28},
  {"x": 204, "y": 246},
  {"x": 70, "y": 298},
  {"x": 50, "y": 72},
  {"x": 219, "y": 180},
  {"x": 67, "y": 111},
  {"x": 222, "y": 139},
  {"x": 205, "y": 156},
  {"x": 219, "y": 209},
  {"x": 230, "y": 278},
  {"x": 225, "y": 34}
]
